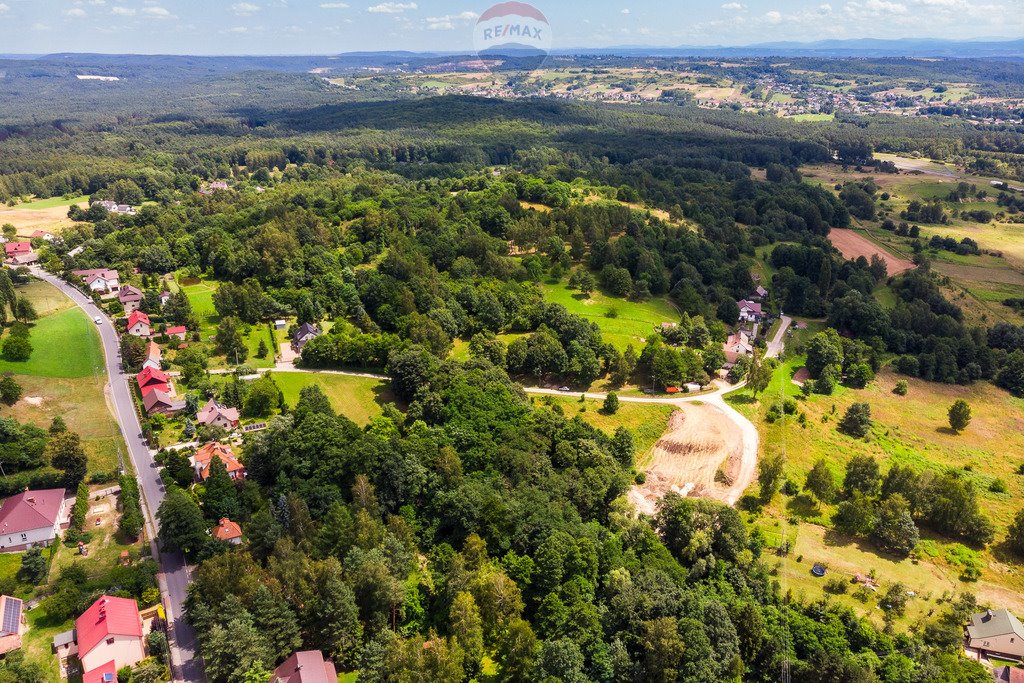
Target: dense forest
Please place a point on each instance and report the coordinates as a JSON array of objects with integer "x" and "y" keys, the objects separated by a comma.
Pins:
[{"x": 468, "y": 533}]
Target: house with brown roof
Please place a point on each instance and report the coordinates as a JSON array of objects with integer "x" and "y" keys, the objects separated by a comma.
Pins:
[
  {"x": 749, "y": 311},
  {"x": 138, "y": 324},
  {"x": 102, "y": 280},
  {"x": 303, "y": 334},
  {"x": 308, "y": 666},
  {"x": 228, "y": 531},
  {"x": 737, "y": 345},
  {"x": 214, "y": 414},
  {"x": 205, "y": 455},
  {"x": 110, "y": 631},
  {"x": 131, "y": 298},
  {"x": 12, "y": 623},
  {"x": 1008, "y": 674},
  {"x": 996, "y": 632},
  {"x": 23, "y": 259},
  {"x": 32, "y": 518},
  {"x": 160, "y": 402},
  {"x": 153, "y": 356}
]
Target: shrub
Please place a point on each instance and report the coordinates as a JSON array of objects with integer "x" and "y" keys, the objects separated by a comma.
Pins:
[
  {"x": 998, "y": 486},
  {"x": 837, "y": 585},
  {"x": 857, "y": 420},
  {"x": 901, "y": 388}
]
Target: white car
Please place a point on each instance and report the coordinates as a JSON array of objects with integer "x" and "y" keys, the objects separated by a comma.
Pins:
[
  {"x": 98, "y": 320},
  {"x": 564, "y": 389}
]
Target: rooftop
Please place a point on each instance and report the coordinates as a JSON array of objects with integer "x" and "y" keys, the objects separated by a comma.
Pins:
[
  {"x": 108, "y": 616},
  {"x": 30, "y": 510}
]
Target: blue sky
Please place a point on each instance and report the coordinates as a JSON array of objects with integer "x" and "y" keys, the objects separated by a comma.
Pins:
[{"x": 331, "y": 26}]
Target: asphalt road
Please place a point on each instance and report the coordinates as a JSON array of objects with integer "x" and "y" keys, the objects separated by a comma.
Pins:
[{"x": 174, "y": 573}]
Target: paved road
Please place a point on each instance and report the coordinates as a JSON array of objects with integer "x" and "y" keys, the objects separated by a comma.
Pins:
[{"x": 174, "y": 573}]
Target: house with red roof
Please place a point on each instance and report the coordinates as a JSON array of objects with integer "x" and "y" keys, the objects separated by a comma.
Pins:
[
  {"x": 214, "y": 414},
  {"x": 207, "y": 452},
  {"x": 13, "y": 249},
  {"x": 138, "y": 324},
  {"x": 228, "y": 531},
  {"x": 308, "y": 666},
  {"x": 102, "y": 280},
  {"x": 153, "y": 378},
  {"x": 131, "y": 298},
  {"x": 110, "y": 631},
  {"x": 105, "y": 673},
  {"x": 32, "y": 518},
  {"x": 179, "y": 331}
]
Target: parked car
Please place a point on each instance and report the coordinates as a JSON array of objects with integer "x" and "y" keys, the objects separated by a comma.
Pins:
[{"x": 98, "y": 320}]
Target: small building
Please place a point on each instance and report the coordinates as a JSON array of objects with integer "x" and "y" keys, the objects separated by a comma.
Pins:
[
  {"x": 32, "y": 518},
  {"x": 138, "y": 324},
  {"x": 214, "y": 414},
  {"x": 12, "y": 623},
  {"x": 114, "y": 207},
  {"x": 160, "y": 402},
  {"x": 179, "y": 331},
  {"x": 750, "y": 311},
  {"x": 102, "y": 280},
  {"x": 303, "y": 334},
  {"x": 308, "y": 666},
  {"x": 280, "y": 324},
  {"x": 64, "y": 644},
  {"x": 131, "y": 298},
  {"x": 996, "y": 632},
  {"x": 23, "y": 259},
  {"x": 76, "y": 251},
  {"x": 165, "y": 296},
  {"x": 43, "y": 235},
  {"x": 668, "y": 326},
  {"x": 153, "y": 378},
  {"x": 737, "y": 345},
  {"x": 205, "y": 455},
  {"x": 228, "y": 531},
  {"x": 760, "y": 292},
  {"x": 153, "y": 356},
  {"x": 110, "y": 631},
  {"x": 13, "y": 249}
]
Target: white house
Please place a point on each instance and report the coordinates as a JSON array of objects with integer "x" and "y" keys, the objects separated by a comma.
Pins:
[
  {"x": 138, "y": 324},
  {"x": 103, "y": 280},
  {"x": 216, "y": 415},
  {"x": 32, "y": 518},
  {"x": 750, "y": 311},
  {"x": 110, "y": 631}
]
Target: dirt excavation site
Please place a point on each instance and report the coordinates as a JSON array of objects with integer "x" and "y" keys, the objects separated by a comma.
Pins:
[{"x": 700, "y": 454}]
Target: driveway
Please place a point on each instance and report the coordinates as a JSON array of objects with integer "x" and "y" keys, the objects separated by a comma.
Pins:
[{"x": 174, "y": 573}]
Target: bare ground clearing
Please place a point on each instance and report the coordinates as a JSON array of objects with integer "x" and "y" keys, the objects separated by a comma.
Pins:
[{"x": 853, "y": 244}]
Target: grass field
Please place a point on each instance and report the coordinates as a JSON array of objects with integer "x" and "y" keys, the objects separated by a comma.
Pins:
[
  {"x": 812, "y": 117},
  {"x": 200, "y": 295},
  {"x": 633, "y": 321},
  {"x": 52, "y": 202},
  {"x": 647, "y": 421},
  {"x": 360, "y": 399},
  {"x": 910, "y": 430},
  {"x": 66, "y": 376}
]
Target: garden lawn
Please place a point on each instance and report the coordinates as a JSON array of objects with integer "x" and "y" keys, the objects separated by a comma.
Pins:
[
  {"x": 633, "y": 323},
  {"x": 360, "y": 399},
  {"x": 64, "y": 344}
]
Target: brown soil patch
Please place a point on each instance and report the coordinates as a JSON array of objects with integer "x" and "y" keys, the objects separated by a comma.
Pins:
[
  {"x": 801, "y": 376},
  {"x": 700, "y": 440},
  {"x": 27, "y": 221},
  {"x": 852, "y": 244}
]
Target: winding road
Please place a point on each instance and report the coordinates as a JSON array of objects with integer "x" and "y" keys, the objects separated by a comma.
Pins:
[{"x": 174, "y": 576}]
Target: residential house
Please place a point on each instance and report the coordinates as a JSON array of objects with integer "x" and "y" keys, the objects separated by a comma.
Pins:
[
  {"x": 749, "y": 311},
  {"x": 64, "y": 644},
  {"x": 23, "y": 259},
  {"x": 32, "y": 518},
  {"x": 114, "y": 207},
  {"x": 12, "y": 623},
  {"x": 304, "y": 333},
  {"x": 228, "y": 531},
  {"x": 164, "y": 297},
  {"x": 153, "y": 356},
  {"x": 160, "y": 402},
  {"x": 737, "y": 345},
  {"x": 110, "y": 631},
  {"x": 1008, "y": 674},
  {"x": 214, "y": 414},
  {"x": 205, "y": 455},
  {"x": 43, "y": 235},
  {"x": 131, "y": 298},
  {"x": 138, "y": 324},
  {"x": 153, "y": 378},
  {"x": 308, "y": 666},
  {"x": 102, "y": 280},
  {"x": 996, "y": 632},
  {"x": 760, "y": 292},
  {"x": 12, "y": 249},
  {"x": 179, "y": 331}
]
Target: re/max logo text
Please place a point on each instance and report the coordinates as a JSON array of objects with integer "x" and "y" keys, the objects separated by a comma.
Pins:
[{"x": 510, "y": 30}]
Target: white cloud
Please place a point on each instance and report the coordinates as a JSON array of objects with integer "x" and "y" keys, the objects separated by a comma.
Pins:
[
  {"x": 39, "y": 26},
  {"x": 157, "y": 13},
  {"x": 625, "y": 11},
  {"x": 333, "y": 5},
  {"x": 392, "y": 7},
  {"x": 244, "y": 9},
  {"x": 97, "y": 2},
  {"x": 123, "y": 11},
  {"x": 3, "y": 8},
  {"x": 237, "y": 29},
  {"x": 733, "y": 6},
  {"x": 773, "y": 17},
  {"x": 826, "y": 8},
  {"x": 76, "y": 12}
]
